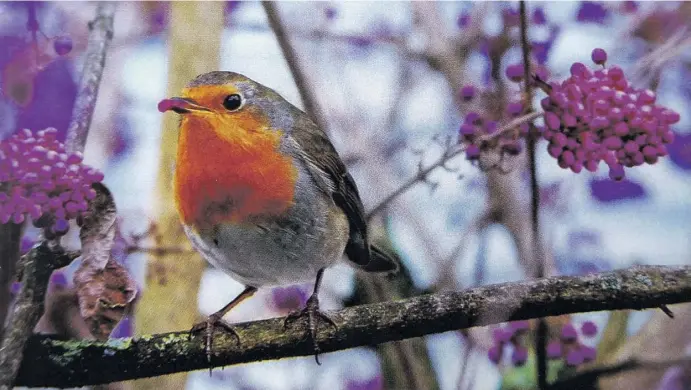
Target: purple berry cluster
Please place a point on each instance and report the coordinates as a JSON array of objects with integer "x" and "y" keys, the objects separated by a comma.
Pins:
[
  {"x": 568, "y": 346},
  {"x": 595, "y": 115},
  {"x": 476, "y": 131},
  {"x": 41, "y": 181},
  {"x": 509, "y": 335}
]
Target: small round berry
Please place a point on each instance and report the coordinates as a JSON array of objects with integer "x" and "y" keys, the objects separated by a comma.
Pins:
[
  {"x": 61, "y": 226},
  {"x": 515, "y": 72},
  {"x": 467, "y": 130},
  {"x": 495, "y": 353},
  {"x": 574, "y": 357},
  {"x": 520, "y": 326},
  {"x": 472, "y": 152},
  {"x": 501, "y": 335},
  {"x": 554, "y": 350},
  {"x": 552, "y": 121},
  {"x": 467, "y": 92},
  {"x": 589, "y": 353},
  {"x": 568, "y": 333},
  {"x": 515, "y": 108},
  {"x": 519, "y": 355},
  {"x": 579, "y": 69},
  {"x": 589, "y": 328},
  {"x": 473, "y": 118},
  {"x": 670, "y": 117},
  {"x": 330, "y": 13},
  {"x": 616, "y": 172},
  {"x": 62, "y": 45},
  {"x": 599, "y": 56}
]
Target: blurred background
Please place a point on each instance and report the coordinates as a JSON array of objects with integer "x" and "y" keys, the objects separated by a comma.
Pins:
[{"x": 388, "y": 79}]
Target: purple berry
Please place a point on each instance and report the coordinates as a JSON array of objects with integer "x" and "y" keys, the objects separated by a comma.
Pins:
[
  {"x": 467, "y": 130},
  {"x": 62, "y": 45},
  {"x": 599, "y": 56},
  {"x": 330, "y": 13},
  {"x": 520, "y": 326},
  {"x": 554, "y": 350},
  {"x": 501, "y": 335},
  {"x": 514, "y": 108},
  {"x": 472, "y": 152},
  {"x": 552, "y": 121},
  {"x": 495, "y": 353},
  {"x": 473, "y": 118},
  {"x": 568, "y": 333},
  {"x": 578, "y": 69},
  {"x": 61, "y": 226},
  {"x": 589, "y": 353},
  {"x": 574, "y": 357},
  {"x": 589, "y": 329},
  {"x": 616, "y": 172},
  {"x": 519, "y": 355},
  {"x": 539, "y": 16},
  {"x": 670, "y": 117},
  {"x": 515, "y": 72},
  {"x": 468, "y": 92}
]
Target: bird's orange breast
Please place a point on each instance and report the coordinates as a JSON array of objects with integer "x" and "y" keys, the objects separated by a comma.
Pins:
[{"x": 230, "y": 175}]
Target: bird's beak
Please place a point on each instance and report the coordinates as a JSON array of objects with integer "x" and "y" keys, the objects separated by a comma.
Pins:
[{"x": 180, "y": 105}]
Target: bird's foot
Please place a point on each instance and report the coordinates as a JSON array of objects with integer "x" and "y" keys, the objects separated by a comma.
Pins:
[
  {"x": 208, "y": 327},
  {"x": 313, "y": 314}
]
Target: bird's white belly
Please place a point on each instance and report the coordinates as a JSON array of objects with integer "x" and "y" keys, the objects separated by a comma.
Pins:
[{"x": 257, "y": 258}]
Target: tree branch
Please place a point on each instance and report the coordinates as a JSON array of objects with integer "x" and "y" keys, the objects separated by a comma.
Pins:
[
  {"x": 101, "y": 33},
  {"x": 306, "y": 94},
  {"x": 57, "y": 363},
  {"x": 422, "y": 174},
  {"x": 541, "y": 334},
  {"x": 37, "y": 267}
]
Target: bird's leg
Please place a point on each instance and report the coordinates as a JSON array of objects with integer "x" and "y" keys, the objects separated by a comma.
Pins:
[
  {"x": 312, "y": 312},
  {"x": 215, "y": 320}
]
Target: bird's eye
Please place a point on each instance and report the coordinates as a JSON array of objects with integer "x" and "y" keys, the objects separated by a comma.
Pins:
[{"x": 232, "y": 102}]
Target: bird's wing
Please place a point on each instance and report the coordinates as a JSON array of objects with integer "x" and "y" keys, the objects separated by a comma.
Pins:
[{"x": 322, "y": 160}]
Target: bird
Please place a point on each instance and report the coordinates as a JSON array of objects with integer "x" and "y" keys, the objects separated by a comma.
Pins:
[{"x": 263, "y": 195}]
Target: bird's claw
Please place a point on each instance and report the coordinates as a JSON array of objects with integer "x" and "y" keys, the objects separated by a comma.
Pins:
[
  {"x": 313, "y": 314},
  {"x": 208, "y": 327}
]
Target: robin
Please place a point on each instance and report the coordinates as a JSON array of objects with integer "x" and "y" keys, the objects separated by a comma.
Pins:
[{"x": 262, "y": 194}]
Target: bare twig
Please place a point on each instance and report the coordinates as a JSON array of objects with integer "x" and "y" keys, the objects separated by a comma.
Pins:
[
  {"x": 423, "y": 173},
  {"x": 309, "y": 100},
  {"x": 78, "y": 363},
  {"x": 588, "y": 378},
  {"x": 48, "y": 256},
  {"x": 95, "y": 60},
  {"x": 541, "y": 334}
]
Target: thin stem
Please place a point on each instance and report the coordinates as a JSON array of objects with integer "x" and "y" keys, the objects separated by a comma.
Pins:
[
  {"x": 446, "y": 157},
  {"x": 308, "y": 97},
  {"x": 95, "y": 61},
  {"x": 541, "y": 333}
]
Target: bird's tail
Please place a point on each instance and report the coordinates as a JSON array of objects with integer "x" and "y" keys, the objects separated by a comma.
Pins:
[{"x": 381, "y": 261}]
